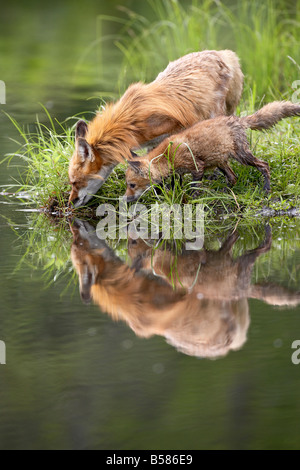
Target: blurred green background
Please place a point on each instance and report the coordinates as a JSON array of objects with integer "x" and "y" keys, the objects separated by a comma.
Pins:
[{"x": 53, "y": 51}]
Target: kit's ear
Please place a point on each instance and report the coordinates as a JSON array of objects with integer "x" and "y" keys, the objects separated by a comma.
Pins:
[
  {"x": 136, "y": 166},
  {"x": 81, "y": 129}
]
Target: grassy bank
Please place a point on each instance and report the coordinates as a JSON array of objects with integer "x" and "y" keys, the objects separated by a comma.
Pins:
[{"x": 265, "y": 35}]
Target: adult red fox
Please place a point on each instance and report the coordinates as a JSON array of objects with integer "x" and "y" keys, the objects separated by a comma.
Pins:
[
  {"x": 198, "y": 86},
  {"x": 207, "y": 314},
  {"x": 205, "y": 145}
]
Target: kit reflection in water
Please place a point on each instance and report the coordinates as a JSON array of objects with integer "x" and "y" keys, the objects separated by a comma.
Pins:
[{"x": 203, "y": 311}]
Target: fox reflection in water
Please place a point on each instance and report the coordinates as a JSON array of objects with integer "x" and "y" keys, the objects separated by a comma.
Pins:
[{"x": 206, "y": 315}]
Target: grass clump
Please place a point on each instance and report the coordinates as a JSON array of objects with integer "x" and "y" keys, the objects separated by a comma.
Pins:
[{"x": 45, "y": 154}]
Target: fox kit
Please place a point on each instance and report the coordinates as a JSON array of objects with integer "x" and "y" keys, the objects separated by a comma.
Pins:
[
  {"x": 198, "y": 86},
  {"x": 207, "y": 144}
]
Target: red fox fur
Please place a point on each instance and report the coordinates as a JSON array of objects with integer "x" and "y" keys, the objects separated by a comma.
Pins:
[
  {"x": 207, "y": 144},
  {"x": 198, "y": 86}
]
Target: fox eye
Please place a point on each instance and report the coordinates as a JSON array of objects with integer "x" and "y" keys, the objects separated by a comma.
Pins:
[{"x": 132, "y": 185}]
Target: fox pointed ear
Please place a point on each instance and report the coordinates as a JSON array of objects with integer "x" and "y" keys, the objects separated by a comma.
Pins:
[
  {"x": 136, "y": 166},
  {"x": 84, "y": 150},
  {"x": 81, "y": 129}
]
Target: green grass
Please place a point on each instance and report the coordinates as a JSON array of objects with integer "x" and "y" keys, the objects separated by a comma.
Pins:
[
  {"x": 44, "y": 159},
  {"x": 265, "y": 35}
]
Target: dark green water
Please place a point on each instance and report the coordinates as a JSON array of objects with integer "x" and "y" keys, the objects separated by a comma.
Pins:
[{"x": 77, "y": 379}]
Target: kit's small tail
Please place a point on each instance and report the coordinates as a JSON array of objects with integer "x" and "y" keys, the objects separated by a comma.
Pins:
[{"x": 270, "y": 114}]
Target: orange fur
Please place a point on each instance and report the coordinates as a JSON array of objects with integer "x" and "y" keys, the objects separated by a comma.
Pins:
[
  {"x": 198, "y": 86},
  {"x": 192, "y": 88}
]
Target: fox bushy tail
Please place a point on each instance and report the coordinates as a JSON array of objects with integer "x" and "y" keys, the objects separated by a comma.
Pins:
[{"x": 270, "y": 114}]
